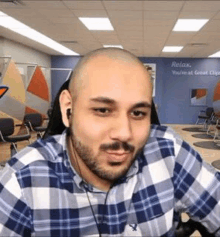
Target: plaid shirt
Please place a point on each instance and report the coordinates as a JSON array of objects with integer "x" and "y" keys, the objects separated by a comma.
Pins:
[{"x": 41, "y": 194}]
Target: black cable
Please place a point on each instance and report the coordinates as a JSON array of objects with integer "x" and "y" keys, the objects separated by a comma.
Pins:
[{"x": 97, "y": 225}]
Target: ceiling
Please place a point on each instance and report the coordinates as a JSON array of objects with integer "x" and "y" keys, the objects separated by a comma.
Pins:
[{"x": 142, "y": 27}]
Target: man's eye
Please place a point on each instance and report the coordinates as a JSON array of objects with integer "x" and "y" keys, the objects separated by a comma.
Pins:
[
  {"x": 102, "y": 111},
  {"x": 138, "y": 114}
]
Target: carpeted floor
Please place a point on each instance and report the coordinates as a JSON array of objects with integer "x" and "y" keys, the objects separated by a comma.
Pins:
[{"x": 196, "y": 137}]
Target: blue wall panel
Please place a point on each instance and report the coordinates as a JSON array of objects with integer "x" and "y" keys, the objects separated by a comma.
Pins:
[{"x": 58, "y": 77}]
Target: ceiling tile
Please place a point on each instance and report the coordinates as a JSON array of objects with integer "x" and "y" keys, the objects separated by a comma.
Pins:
[
  {"x": 44, "y": 4},
  {"x": 163, "y": 5},
  {"x": 167, "y": 55},
  {"x": 21, "y": 13},
  {"x": 9, "y": 5},
  {"x": 131, "y": 15},
  {"x": 76, "y": 47},
  {"x": 161, "y": 15},
  {"x": 84, "y": 5},
  {"x": 123, "y": 5},
  {"x": 188, "y": 51},
  {"x": 217, "y": 16},
  {"x": 179, "y": 39},
  {"x": 213, "y": 25},
  {"x": 196, "y": 14},
  {"x": 201, "y": 6},
  {"x": 127, "y": 23},
  {"x": 148, "y": 22},
  {"x": 63, "y": 20},
  {"x": 102, "y": 36},
  {"x": 90, "y": 13},
  {"x": 56, "y": 13},
  {"x": 158, "y": 29}
]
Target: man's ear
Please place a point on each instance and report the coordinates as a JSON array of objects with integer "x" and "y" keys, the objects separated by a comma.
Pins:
[{"x": 65, "y": 104}]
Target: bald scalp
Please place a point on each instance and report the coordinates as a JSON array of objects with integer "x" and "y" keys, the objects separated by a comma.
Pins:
[{"x": 115, "y": 54}]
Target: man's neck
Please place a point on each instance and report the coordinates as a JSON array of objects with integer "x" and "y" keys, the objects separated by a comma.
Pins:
[{"x": 86, "y": 174}]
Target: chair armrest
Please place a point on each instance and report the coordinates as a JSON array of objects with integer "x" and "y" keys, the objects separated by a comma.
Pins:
[
  {"x": 19, "y": 125},
  {"x": 27, "y": 129}
]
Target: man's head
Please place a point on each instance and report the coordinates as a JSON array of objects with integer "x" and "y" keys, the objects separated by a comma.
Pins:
[{"x": 110, "y": 100}]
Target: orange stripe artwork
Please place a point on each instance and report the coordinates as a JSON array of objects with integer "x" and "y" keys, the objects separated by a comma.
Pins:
[
  {"x": 3, "y": 90},
  {"x": 201, "y": 93}
]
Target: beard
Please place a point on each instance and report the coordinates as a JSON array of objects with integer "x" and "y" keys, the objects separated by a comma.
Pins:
[{"x": 95, "y": 164}]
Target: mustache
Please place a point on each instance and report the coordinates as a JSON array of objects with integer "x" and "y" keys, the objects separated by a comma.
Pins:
[{"x": 117, "y": 146}]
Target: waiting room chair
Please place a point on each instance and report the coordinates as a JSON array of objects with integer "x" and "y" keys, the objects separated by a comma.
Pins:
[
  {"x": 34, "y": 122},
  {"x": 205, "y": 116},
  {"x": 7, "y": 128},
  {"x": 213, "y": 122}
]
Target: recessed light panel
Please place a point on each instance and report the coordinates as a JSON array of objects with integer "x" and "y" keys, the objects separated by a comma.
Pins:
[
  {"x": 189, "y": 24},
  {"x": 172, "y": 49},
  {"x": 96, "y": 23},
  {"x": 215, "y": 55},
  {"x": 112, "y": 46},
  {"x": 22, "y": 29}
]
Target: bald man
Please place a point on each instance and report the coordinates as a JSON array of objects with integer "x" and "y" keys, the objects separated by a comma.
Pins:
[{"x": 110, "y": 173}]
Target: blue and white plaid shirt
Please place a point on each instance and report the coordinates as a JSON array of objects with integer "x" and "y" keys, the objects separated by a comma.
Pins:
[{"x": 41, "y": 194}]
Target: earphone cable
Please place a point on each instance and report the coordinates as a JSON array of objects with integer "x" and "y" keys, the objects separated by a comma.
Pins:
[{"x": 97, "y": 225}]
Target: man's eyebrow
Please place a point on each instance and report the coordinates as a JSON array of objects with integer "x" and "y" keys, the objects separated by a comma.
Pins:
[
  {"x": 102, "y": 99},
  {"x": 142, "y": 105},
  {"x": 107, "y": 100}
]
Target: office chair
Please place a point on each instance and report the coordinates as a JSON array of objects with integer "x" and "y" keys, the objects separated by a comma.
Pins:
[
  {"x": 34, "y": 122},
  {"x": 206, "y": 116},
  {"x": 7, "y": 129},
  {"x": 56, "y": 126}
]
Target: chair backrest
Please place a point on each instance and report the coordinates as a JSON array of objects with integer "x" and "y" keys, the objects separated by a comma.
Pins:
[
  {"x": 35, "y": 119},
  {"x": 209, "y": 111},
  {"x": 55, "y": 125},
  {"x": 6, "y": 126}
]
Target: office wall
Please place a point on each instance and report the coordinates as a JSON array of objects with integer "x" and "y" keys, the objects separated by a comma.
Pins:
[
  {"x": 24, "y": 54},
  {"x": 175, "y": 77}
]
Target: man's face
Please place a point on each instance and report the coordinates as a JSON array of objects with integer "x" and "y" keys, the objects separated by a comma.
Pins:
[{"x": 111, "y": 116}]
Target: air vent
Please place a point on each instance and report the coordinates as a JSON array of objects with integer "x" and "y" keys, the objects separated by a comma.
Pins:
[
  {"x": 69, "y": 42},
  {"x": 197, "y": 44},
  {"x": 13, "y": 2}
]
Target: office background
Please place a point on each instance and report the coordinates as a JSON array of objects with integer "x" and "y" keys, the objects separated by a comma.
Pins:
[{"x": 142, "y": 27}]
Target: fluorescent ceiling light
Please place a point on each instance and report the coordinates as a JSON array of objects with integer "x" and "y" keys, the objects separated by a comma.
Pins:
[
  {"x": 112, "y": 46},
  {"x": 172, "y": 49},
  {"x": 96, "y": 23},
  {"x": 215, "y": 55},
  {"x": 189, "y": 24},
  {"x": 20, "y": 28}
]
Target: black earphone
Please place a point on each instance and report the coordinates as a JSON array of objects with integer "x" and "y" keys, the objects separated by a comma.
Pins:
[{"x": 68, "y": 113}]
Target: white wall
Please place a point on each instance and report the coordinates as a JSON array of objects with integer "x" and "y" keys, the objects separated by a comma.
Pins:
[{"x": 24, "y": 54}]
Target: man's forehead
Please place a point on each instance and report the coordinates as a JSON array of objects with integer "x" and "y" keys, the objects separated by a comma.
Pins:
[{"x": 113, "y": 75}]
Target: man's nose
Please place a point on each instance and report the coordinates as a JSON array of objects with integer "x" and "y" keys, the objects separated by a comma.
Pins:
[{"x": 121, "y": 129}]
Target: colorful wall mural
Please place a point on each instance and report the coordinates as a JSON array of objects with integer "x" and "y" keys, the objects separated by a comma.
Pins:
[{"x": 28, "y": 92}]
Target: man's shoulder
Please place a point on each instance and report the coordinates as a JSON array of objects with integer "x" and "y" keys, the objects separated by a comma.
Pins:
[
  {"x": 48, "y": 150},
  {"x": 162, "y": 131}
]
